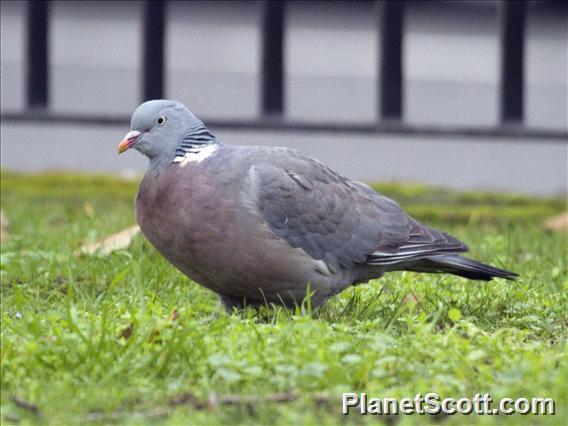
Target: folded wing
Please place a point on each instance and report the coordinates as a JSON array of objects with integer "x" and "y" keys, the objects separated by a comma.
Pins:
[{"x": 339, "y": 221}]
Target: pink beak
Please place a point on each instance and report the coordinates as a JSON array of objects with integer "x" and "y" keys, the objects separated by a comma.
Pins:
[{"x": 129, "y": 140}]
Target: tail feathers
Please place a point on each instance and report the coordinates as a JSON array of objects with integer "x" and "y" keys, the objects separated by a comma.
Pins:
[{"x": 461, "y": 266}]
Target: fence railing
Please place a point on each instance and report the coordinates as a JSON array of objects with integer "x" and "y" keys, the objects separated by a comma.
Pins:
[{"x": 390, "y": 22}]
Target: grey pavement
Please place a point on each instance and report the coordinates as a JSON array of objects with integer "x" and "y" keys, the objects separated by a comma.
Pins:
[
  {"x": 456, "y": 163},
  {"x": 452, "y": 70}
]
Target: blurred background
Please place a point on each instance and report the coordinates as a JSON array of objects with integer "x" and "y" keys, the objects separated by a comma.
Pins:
[{"x": 459, "y": 94}]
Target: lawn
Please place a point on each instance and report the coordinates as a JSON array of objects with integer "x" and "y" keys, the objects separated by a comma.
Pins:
[{"x": 125, "y": 338}]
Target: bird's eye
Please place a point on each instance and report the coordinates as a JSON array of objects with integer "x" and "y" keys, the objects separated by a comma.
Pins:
[{"x": 161, "y": 120}]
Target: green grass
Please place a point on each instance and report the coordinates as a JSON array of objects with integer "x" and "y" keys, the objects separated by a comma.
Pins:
[{"x": 128, "y": 339}]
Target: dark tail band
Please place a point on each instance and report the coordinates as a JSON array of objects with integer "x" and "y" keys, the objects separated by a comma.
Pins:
[{"x": 463, "y": 267}]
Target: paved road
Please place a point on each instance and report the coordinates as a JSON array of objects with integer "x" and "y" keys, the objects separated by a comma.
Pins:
[
  {"x": 212, "y": 50},
  {"x": 524, "y": 166}
]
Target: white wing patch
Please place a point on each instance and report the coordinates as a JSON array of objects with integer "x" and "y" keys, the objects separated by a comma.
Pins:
[{"x": 196, "y": 155}]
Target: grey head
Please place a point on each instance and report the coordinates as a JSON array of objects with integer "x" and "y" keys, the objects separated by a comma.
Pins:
[{"x": 161, "y": 129}]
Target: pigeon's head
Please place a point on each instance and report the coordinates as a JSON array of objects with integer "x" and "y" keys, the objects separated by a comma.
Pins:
[{"x": 157, "y": 127}]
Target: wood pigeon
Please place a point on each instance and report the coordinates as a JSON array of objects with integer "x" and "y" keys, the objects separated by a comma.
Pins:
[{"x": 259, "y": 224}]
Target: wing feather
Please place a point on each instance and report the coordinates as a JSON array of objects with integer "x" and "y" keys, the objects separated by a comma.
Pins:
[{"x": 338, "y": 221}]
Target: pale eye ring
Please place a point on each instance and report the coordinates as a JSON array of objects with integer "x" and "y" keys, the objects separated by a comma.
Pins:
[{"x": 161, "y": 120}]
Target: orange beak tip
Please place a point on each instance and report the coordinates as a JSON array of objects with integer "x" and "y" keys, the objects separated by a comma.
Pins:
[
  {"x": 123, "y": 146},
  {"x": 129, "y": 140}
]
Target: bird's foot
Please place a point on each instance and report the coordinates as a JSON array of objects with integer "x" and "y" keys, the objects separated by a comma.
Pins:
[{"x": 231, "y": 303}]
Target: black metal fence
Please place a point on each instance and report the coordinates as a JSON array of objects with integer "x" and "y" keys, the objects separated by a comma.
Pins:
[{"x": 390, "y": 22}]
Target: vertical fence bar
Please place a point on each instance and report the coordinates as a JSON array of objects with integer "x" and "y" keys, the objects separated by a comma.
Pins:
[
  {"x": 391, "y": 73},
  {"x": 153, "y": 50},
  {"x": 512, "y": 60},
  {"x": 37, "y": 84},
  {"x": 272, "y": 72}
]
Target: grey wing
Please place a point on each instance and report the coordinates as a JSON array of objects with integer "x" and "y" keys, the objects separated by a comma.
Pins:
[
  {"x": 339, "y": 221},
  {"x": 402, "y": 238}
]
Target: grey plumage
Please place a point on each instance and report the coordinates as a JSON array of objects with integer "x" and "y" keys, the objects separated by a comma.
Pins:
[{"x": 261, "y": 224}]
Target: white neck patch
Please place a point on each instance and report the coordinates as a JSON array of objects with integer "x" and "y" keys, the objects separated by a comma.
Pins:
[{"x": 196, "y": 155}]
